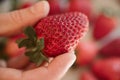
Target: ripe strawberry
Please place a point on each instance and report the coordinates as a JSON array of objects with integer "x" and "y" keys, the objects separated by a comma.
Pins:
[
  {"x": 54, "y": 7},
  {"x": 83, "y": 6},
  {"x": 107, "y": 69},
  {"x": 86, "y": 52},
  {"x": 112, "y": 49},
  {"x": 87, "y": 76},
  {"x": 103, "y": 26},
  {"x": 62, "y": 32},
  {"x": 59, "y": 33}
]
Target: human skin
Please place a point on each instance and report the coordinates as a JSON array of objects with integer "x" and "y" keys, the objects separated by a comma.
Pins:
[{"x": 14, "y": 22}]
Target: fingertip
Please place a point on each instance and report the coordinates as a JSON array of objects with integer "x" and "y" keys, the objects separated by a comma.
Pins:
[
  {"x": 36, "y": 9},
  {"x": 46, "y": 7},
  {"x": 71, "y": 55}
]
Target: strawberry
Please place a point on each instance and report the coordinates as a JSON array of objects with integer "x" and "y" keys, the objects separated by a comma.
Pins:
[
  {"x": 61, "y": 32},
  {"x": 103, "y": 26},
  {"x": 83, "y": 6},
  {"x": 107, "y": 69},
  {"x": 57, "y": 34},
  {"x": 86, "y": 52},
  {"x": 54, "y": 7},
  {"x": 87, "y": 76},
  {"x": 112, "y": 48}
]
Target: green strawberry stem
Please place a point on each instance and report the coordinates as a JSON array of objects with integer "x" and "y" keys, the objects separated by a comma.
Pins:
[{"x": 34, "y": 46}]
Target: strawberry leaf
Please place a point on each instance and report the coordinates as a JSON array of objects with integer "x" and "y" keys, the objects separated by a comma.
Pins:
[
  {"x": 36, "y": 57},
  {"x": 26, "y": 43},
  {"x": 30, "y": 32},
  {"x": 34, "y": 46}
]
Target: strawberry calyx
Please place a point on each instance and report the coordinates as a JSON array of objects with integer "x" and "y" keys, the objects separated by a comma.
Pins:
[{"x": 34, "y": 46}]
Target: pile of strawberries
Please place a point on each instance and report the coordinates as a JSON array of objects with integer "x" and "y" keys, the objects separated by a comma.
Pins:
[{"x": 99, "y": 54}]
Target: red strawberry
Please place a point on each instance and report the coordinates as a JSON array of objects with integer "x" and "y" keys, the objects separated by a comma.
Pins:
[
  {"x": 112, "y": 49},
  {"x": 87, "y": 76},
  {"x": 62, "y": 32},
  {"x": 83, "y": 6},
  {"x": 86, "y": 52},
  {"x": 107, "y": 69},
  {"x": 103, "y": 26},
  {"x": 54, "y": 7}
]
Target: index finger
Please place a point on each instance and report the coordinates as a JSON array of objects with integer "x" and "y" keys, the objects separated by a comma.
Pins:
[{"x": 13, "y": 22}]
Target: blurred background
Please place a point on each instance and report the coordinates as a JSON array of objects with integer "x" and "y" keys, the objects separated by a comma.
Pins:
[{"x": 98, "y": 54}]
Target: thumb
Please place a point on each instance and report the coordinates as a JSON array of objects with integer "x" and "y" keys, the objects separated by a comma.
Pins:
[{"x": 14, "y": 22}]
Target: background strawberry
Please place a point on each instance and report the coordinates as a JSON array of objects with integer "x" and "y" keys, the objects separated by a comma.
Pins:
[
  {"x": 112, "y": 48},
  {"x": 83, "y": 6},
  {"x": 107, "y": 69},
  {"x": 87, "y": 76},
  {"x": 54, "y": 7},
  {"x": 103, "y": 26},
  {"x": 86, "y": 51}
]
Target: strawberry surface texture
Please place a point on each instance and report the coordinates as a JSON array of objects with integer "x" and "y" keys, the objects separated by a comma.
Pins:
[{"x": 61, "y": 32}]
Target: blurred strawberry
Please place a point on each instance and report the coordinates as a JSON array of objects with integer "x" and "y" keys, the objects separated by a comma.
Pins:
[
  {"x": 83, "y": 6},
  {"x": 107, "y": 69},
  {"x": 54, "y": 7},
  {"x": 12, "y": 48},
  {"x": 111, "y": 49},
  {"x": 25, "y": 5},
  {"x": 103, "y": 26},
  {"x": 86, "y": 52},
  {"x": 87, "y": 76}
]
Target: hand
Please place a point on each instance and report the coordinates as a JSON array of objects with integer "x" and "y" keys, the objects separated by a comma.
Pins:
[{"x": 14, "y": 22}]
